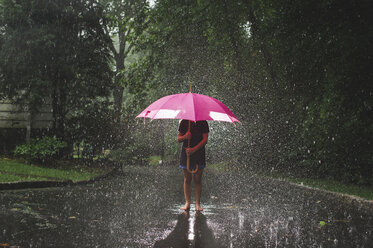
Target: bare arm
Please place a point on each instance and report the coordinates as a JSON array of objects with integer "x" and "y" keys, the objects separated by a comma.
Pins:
[
  {"x": 205, "y": 137},
  {"x": 181, "y": 137}
]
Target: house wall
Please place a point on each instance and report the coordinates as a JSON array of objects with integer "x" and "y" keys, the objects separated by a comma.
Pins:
[
  {"x": 18, "y": 116},
  {"x": 17, "y": 125}
]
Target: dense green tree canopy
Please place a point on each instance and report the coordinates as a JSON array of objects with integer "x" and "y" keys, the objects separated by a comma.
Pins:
[
  {"x": 53, "y": 51},
  {"x": 297, "y": 74}
]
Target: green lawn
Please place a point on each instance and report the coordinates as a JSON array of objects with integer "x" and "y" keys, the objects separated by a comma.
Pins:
[
  {"x": 13, "y": 170},
  {"x": 365, "y": 192},
  {"x": 331, "y": 185}
]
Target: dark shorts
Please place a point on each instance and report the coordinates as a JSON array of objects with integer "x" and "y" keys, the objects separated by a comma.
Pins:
[{"x": 200, "y": 166}]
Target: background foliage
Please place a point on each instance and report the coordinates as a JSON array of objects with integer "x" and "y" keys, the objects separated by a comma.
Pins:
[
  {"x": 41, "y": 150},
  {"x": 297, "y": 74}
]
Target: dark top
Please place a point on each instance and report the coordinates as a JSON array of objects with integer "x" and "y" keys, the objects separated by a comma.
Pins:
[{"x": 197, "y": 129}]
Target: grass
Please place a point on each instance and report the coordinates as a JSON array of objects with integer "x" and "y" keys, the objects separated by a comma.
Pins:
[
  {"x": 14, "y": 178},
  {"x": 220, "y": 166},
  {"x": 365, "y": 192},
  {"x": 154, "y": 160},
  {"x": 14, "y": 170}
]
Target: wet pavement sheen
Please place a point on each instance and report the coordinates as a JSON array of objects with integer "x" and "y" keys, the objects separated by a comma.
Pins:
[{"x": 141, "y": 209}]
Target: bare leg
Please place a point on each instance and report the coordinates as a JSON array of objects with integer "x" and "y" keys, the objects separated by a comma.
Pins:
[
  {"x": 198, "y": 188},
  {"x": 187, "y": 189}
]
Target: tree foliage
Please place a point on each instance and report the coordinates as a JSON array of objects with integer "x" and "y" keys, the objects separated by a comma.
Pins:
[
  {"x": 124, "y": 23},
  {"x": 54, "y": 51},
  {"x": 41, "y": 150},
  {"x": 296, "y": 74}
]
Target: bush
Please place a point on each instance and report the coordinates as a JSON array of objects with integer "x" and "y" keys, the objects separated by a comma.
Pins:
[
  {"x": 40, "y": 150},
  {"x": 134, "y": 154}
]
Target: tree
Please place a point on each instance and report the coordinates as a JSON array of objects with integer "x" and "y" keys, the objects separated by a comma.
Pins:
[
  {"x": 54, "y": 50},
  {"x": 299, "y": 81},
  {"x": 123, "y": 25}
]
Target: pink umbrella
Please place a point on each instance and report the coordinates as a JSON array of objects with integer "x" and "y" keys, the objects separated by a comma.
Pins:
[{"x": 189, "y": 106}]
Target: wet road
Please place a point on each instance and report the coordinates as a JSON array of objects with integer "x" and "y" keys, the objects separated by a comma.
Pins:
[{"x": 140, "y": 209}]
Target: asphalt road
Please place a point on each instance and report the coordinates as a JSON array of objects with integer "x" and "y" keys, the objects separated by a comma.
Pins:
[{"x": 141, "y": 209}]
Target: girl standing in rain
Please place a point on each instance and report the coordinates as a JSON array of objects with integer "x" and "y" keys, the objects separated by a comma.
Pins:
[{"x": 198, "y": 136}]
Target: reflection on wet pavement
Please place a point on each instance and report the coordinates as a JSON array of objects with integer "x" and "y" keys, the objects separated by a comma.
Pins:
[
  {"x": 178, "y": 237},
  {"x": 191, "y": 230},
  {"x": 141, "y": 209}
]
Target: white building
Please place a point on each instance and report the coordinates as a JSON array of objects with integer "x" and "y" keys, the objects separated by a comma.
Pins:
[{"x": 17, "y": 123}]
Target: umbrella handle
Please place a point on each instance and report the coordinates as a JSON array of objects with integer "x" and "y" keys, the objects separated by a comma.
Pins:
[
  {"x": 188, "y": 159},
  {"x": 188, "y": 167}
]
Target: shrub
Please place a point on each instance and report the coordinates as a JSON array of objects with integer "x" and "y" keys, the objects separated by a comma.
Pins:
[
  {"x": 134, "y": 154},
  {"x": 40, "y": 150}
]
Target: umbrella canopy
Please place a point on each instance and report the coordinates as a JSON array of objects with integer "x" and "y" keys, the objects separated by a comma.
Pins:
[{"x": 189, "y": 106}]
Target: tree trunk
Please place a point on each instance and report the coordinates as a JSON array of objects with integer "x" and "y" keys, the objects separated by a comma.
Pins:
[
  {"x": 54, "y": 107},
  {"x": 118, "y": 88},
  {"x": 118, "y": 99},
  {"x": 60, "y": 131},
  {"x": 233, "y": 38},
  {"x": 29, "y": 126},
  {"x": 59, "y": 100},
  {"x": 262, "y": 46}
]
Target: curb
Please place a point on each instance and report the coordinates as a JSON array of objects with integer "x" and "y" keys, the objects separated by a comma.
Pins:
[{"x": 50, "y": 184}]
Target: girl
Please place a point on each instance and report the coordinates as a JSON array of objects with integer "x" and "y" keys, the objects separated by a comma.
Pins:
[{"x": 198, "y": 136}]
